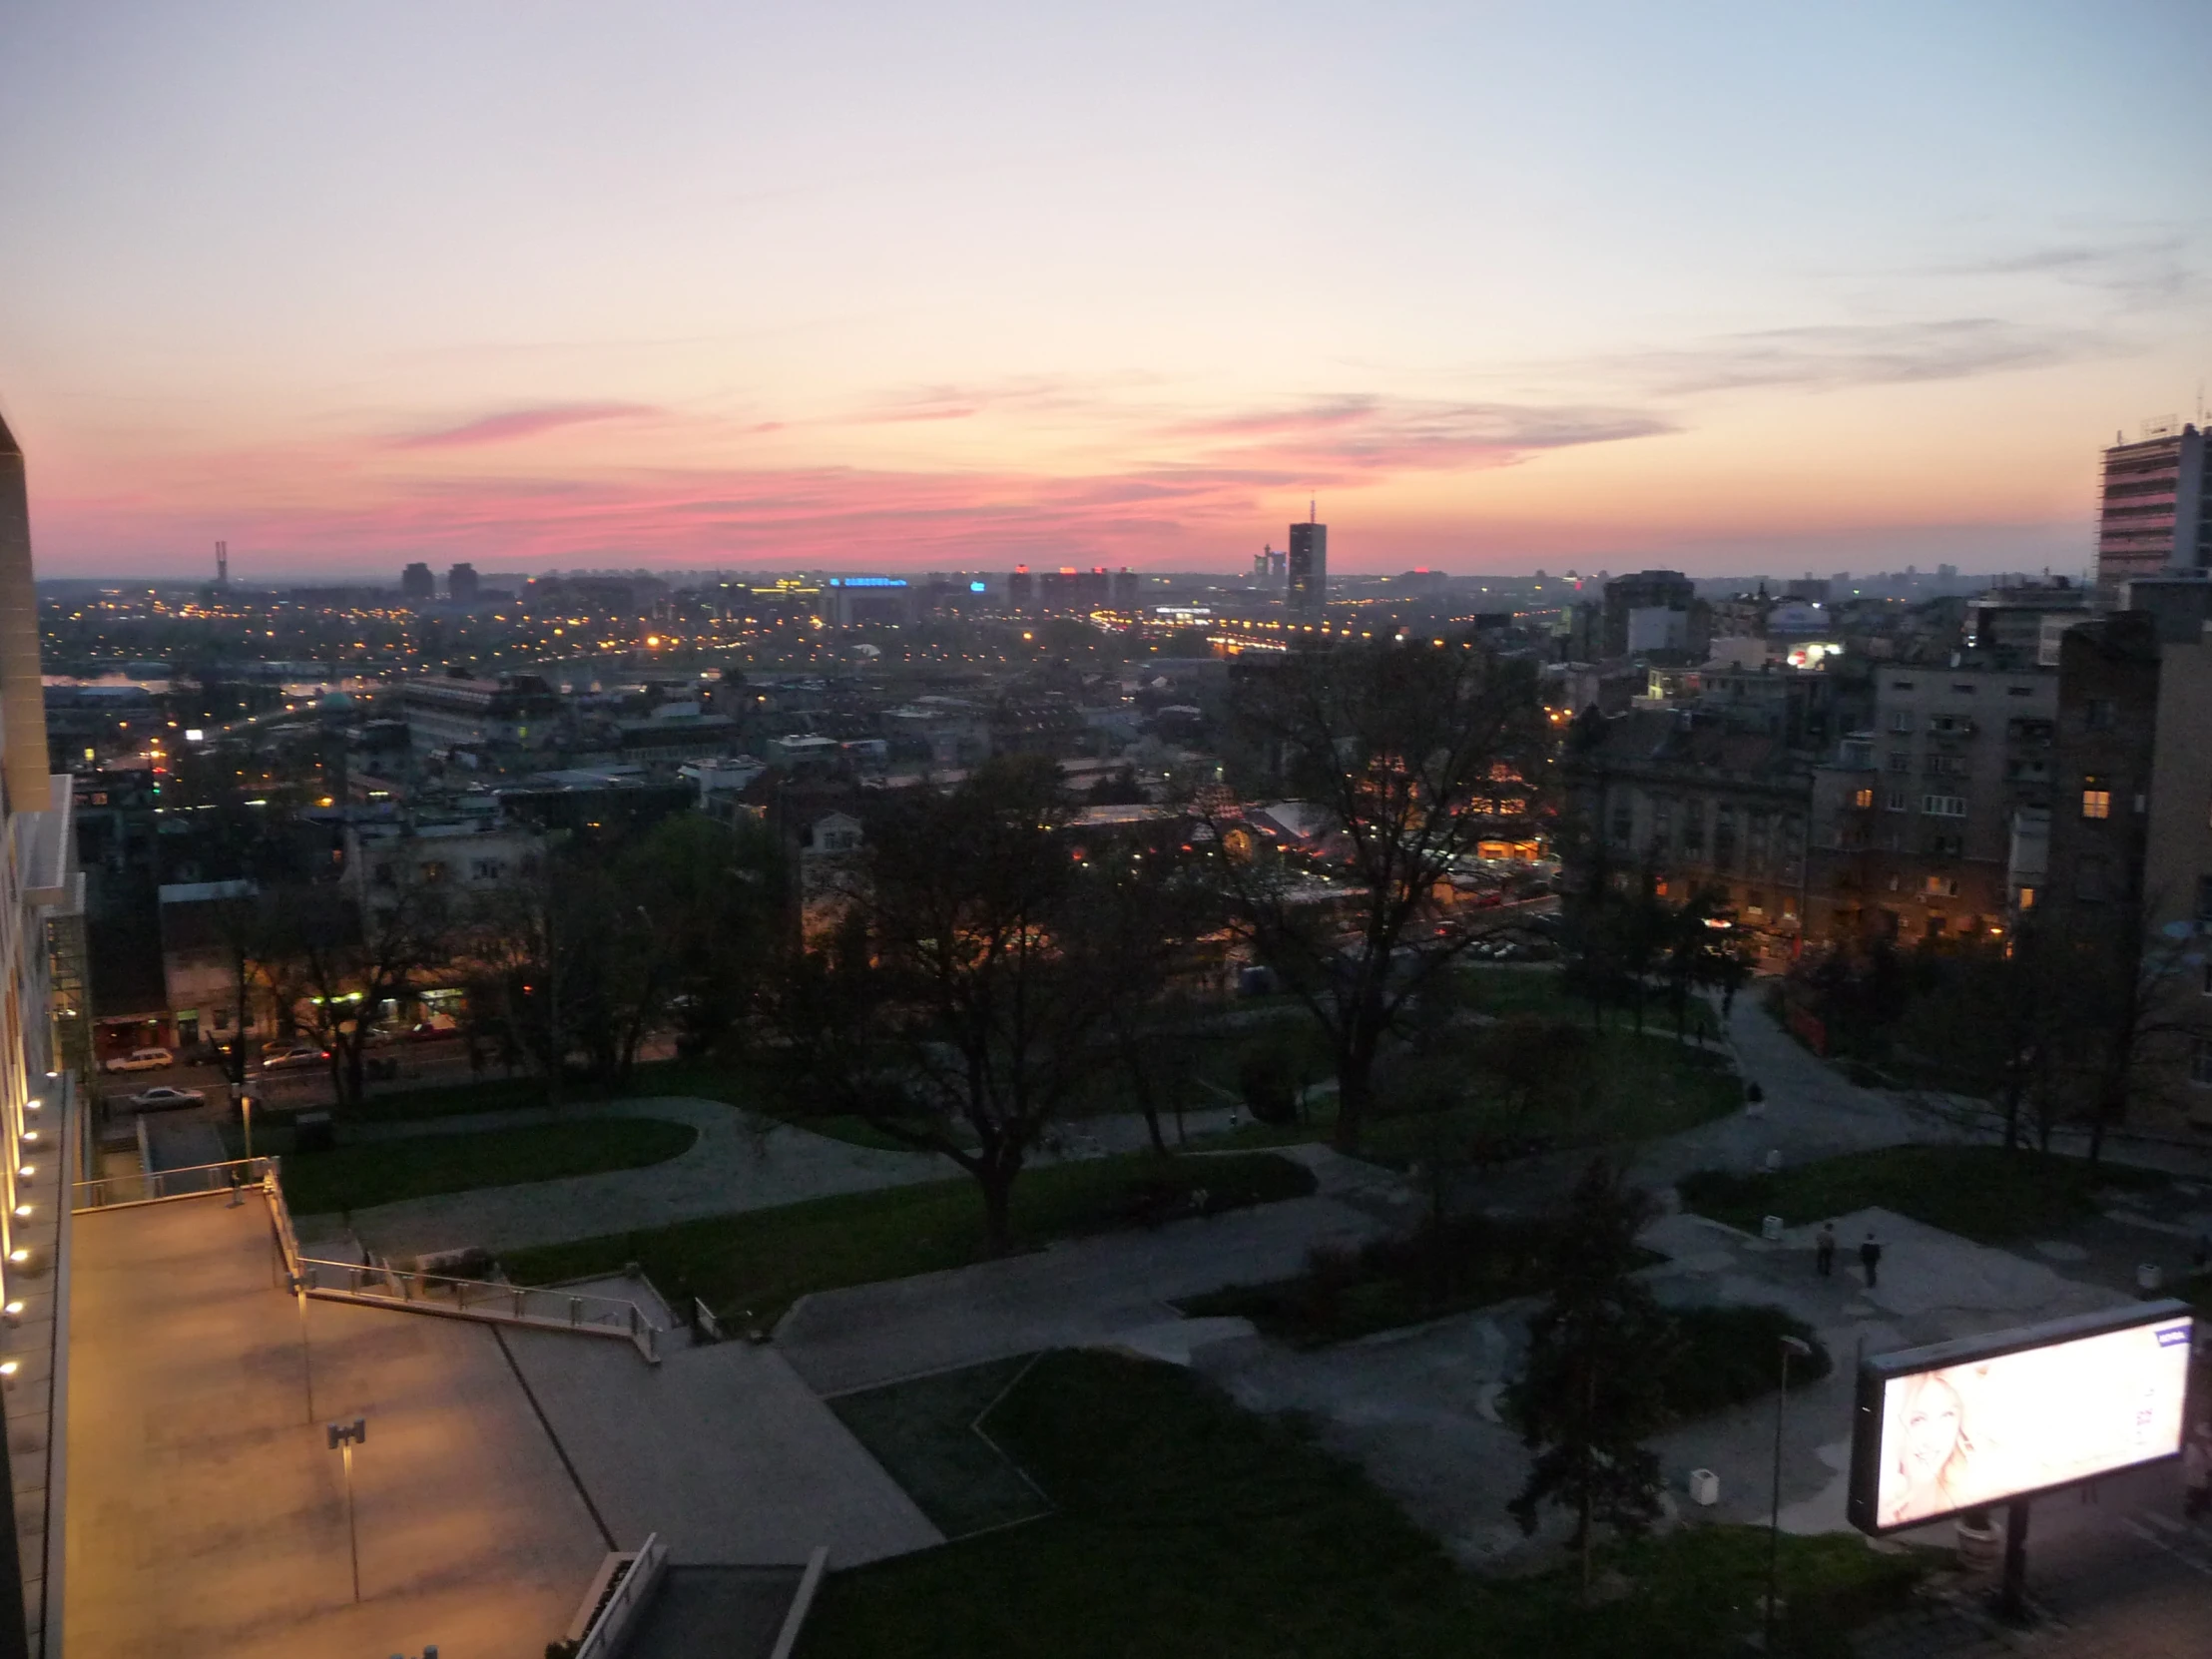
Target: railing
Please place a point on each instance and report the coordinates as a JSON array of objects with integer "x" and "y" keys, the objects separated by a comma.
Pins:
[
  {"x": 618, "y": 1595},
  {"x": 377, "y": 1282},
  {"x": 155, "y": 1186},
  {"x": 480, "y": 1299}
]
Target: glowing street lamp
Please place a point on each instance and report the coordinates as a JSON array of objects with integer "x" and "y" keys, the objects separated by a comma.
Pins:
[{"x": 344, "y": 1437}]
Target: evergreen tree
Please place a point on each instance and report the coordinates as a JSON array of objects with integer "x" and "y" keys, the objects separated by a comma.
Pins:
[{"x": 1592, "y": 1389}]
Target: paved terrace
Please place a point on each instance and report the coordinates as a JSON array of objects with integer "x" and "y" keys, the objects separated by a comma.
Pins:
[{"x": 206, "y": 1514}]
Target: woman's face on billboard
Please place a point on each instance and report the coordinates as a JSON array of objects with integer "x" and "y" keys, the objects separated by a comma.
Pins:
[{"x": 1930, "y": 1427}]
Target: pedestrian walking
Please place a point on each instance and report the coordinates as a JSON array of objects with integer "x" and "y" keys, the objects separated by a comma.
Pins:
[
  {"x": 1824, "y": 1250},
  {"x": 1870, "y": 1257}
]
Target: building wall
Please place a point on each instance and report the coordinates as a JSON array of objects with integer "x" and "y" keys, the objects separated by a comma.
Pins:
[
  {"x": 1913, "y": 820},
  {"x": 2155, "y": 513},
  {"x": 2177, "y": 880}
]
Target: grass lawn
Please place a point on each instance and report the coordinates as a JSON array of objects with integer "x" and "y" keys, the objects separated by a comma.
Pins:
[
  {"x": 380, "y": 1172},
  {"x": 1543, "y": 990},
  {"x": 1978, "y": 1192},
  {"x": 696, "y": 1079},
  {"x": 758, "y": 1261},
  {"x": 931, "y": 1434},
  {"x": 1184, "y": 1525},
  {"x": 1642, "y": 1088}
]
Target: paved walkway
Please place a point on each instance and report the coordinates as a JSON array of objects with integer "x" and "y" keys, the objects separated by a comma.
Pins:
[
  {"x": 2122, "y": 1576},
  {"x": 1079, "y": 1293},
  {"x": 205, "y": 1511},
  {"x": 738, "y": 1162},
  {"x": 721, "y": 1449}
]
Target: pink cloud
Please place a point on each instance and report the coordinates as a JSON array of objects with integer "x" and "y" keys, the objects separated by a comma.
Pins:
[{"x": 520, "y": 424}]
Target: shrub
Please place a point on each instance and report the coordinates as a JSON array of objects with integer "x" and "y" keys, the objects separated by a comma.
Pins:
[
  {"x": 1270, "y": 1090},
  {"x": 1727, "y": 1356}
]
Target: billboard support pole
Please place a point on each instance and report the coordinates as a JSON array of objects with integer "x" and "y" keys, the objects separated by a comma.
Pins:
[{"x": 2012, "y": 1597}]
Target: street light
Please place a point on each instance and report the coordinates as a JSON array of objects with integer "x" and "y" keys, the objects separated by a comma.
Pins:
[
  {"x": 1790, "y": 1345},
  {"x": 297, "y": 1283},
  {"x": 344, "y": 1437}
]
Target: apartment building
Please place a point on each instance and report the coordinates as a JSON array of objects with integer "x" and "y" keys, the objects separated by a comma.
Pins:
[
  {"x": 455, "y": 711},
  {"x": 2177, "y": 882},
  {"x": 1699, "y": 803},
  {"x": 2157, "y": 509},
  {"x": 1914, "y": 816}
]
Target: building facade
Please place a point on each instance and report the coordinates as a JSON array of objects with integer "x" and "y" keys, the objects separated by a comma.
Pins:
[
  {"x": 2157, "y": 510},
  {"x": 1914, "y": 817},
  {"x": 1306, "y": 576},
  {"x": 44, "y": 1039},
  {"x": 1698, "y": 805},
  {"x": 2177, "y": 882}
]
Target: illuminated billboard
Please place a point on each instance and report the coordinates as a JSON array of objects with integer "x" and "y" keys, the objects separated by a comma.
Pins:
[{"x": 1986, "y": 1419}]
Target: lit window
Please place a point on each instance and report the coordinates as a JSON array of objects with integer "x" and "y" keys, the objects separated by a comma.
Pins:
[
  {"x": 2096, "y": 803},
  {"x": 1865, "y": 798},
  {"x": 2027, "y": 903}
]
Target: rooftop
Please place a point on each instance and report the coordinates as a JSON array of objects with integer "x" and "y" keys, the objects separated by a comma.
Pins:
[{"x": 205, "y": 1510}]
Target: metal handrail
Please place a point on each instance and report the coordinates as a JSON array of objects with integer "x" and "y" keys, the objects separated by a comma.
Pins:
[
  {"x": 480, "y": 1299},
  {"x": 110, "y": 1192},
  {"x": 614, "y": 1619},
  {"x": 375, "y": 1283}
]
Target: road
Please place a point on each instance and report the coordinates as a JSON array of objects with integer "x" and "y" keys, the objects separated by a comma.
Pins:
[{"x": 421, "y": 1065}]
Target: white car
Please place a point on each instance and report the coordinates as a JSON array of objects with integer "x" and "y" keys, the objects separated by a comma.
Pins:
[
  {"x": 298, "y": 1054},
  {"x": 161, "y": 1097},
  {"x": 142, "y": 1059}
]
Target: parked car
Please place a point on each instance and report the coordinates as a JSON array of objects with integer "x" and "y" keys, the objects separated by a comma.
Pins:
[
  {"x": 298, "y": 1055},
  {"x": 436, "y": 1025},
  {"x": 142, "y": 1059},
  {"x": 161, "y": 1097}
]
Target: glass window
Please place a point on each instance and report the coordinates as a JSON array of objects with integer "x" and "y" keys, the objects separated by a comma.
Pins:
[{"x": 2096, "y": 803}]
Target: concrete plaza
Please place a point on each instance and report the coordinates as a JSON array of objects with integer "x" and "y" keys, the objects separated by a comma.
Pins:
[{"x": 206, "y": 1515}]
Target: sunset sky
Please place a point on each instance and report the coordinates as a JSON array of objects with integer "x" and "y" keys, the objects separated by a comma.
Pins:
[{"x": 1726, "y": 288}]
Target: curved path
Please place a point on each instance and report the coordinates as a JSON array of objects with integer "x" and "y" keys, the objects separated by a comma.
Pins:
[{"x": 741, "y": 1160}]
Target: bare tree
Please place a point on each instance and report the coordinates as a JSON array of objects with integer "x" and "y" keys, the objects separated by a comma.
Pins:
[
  {"x": 958, "y": 1003},
  {"x": 339, "y": 962},
  {"x": 1406, "y": 750}
]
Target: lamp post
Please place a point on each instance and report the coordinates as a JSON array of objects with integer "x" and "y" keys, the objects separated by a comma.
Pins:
[
  {"x": 344, "y": 1437},
  {"x": 1791, "y": 1347},
  {"x": 297, "y": 1283}
]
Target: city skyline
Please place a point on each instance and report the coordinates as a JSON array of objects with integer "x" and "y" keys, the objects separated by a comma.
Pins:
[{"x": 1715, "y": 291}]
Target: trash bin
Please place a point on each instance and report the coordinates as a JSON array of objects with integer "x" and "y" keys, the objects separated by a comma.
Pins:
[
  {"x": 1770, "y": 1229},
  {"x": 2150, "y": 1277},
  {"x": 1979, "y": 1541},
  {"x": 1705, "y": 1487}
]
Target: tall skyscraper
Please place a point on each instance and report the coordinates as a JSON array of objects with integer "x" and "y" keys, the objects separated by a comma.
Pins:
[
  {"x": 461, "y": 585},
  {"x": 419, "y": 581},
  {"x": 2157, "y": 514},
  {"x": 1308, "y": 568}
]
